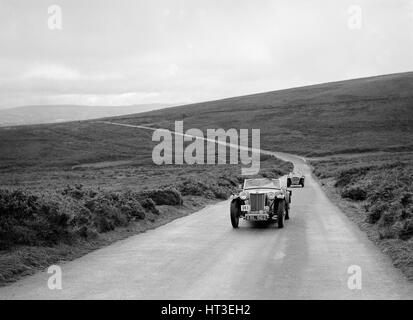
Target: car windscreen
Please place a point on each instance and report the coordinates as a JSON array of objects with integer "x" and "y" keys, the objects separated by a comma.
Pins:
[{"x": 262, "y": 183}]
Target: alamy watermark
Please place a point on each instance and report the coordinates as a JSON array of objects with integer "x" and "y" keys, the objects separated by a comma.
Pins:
[
  {"x": 55, "y": 20},
  {"x": 354, "y": 281},
  {"x": 211, "y": 149},
  {"x": 355, "y": 20},
  {"x": 54, "y": 282}
]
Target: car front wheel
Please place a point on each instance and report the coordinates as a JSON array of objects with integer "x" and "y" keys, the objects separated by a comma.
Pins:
[{"x": 234, "y": 214}]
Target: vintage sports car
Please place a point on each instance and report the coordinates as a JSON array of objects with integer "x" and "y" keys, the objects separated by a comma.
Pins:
[
  {"x": 261, "y": 200},
  {"x": 295, "y": 178}
]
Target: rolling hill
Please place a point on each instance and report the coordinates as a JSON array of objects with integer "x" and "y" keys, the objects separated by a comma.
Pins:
[{"x": 349, "y": 116}]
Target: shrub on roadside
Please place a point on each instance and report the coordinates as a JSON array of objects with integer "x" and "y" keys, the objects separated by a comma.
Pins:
[
  {"x": 406, "y": 231},
  {"x": 74, "y": 213},
  {"x": 30, "y": 220},
  {"x": 81, "y": 222},
  {"x": 220, "y": 190},
  {"x": 346, "y": 177},
  {"x": 228, "y": 182},
  {"x": 106, "y": 216},
  {"x": 131, "y": 205},
  {"x": 406, "y": 199},
  {"x": 166, "y": 196},
  {"x": 355, "y": 193},
  {"x": 150, "y": 205},
  {"x": 195, "y": 188},
  {"x": 375, "y": 211},
  {"x": 77, "y": 192},
  {"x": 222, "y": 193}
]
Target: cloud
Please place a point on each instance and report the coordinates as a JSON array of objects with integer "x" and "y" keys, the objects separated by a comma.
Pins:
[
  {"x": 64, "y": 73},
  {"x": 50, "y": 72},
  {"x": 184, "y": 50},
  {"x": 171, "y": 70},
  {"x": 126, "y": 98}
]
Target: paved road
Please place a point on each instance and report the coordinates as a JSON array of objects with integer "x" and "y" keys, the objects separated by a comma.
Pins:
[{"x": 201, "y": 256}]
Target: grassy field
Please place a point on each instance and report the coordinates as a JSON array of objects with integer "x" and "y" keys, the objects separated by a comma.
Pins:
[{"x": 112, "y": 165}]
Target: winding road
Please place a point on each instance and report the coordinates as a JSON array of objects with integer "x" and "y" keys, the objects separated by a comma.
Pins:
[{"x": 200, "y": 256}]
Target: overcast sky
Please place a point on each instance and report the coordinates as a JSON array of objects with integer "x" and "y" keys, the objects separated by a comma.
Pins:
[{"x": 124, "y": 52}]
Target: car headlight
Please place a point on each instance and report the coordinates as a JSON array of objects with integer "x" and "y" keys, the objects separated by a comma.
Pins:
[
  {"x": 271, "y": 195},
  {"x": 243, "y": 195}
]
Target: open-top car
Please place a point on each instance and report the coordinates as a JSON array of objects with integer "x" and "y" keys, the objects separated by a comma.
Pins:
[
  {"x": 261, "y": 200},
  {"x": 295, "y": 178}
]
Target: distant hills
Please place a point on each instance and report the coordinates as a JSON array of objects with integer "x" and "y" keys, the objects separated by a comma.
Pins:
[{"x": 37, "y": 114}]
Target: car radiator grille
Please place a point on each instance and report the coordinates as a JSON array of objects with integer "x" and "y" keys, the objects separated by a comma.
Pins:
[
  {"x": 296, "y": 180},
  {"x": 257, "y": 201}
]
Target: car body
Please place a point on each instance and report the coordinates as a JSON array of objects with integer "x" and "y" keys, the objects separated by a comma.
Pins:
[
  {"x": 295, "y": 178},
  {"x": 261, "y": 200}
]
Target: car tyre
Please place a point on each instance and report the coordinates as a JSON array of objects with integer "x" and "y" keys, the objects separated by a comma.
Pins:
[
  {"x": 281, "y": 214},
  {"x": 234, "y": 214},
  {"x": 302, "y": 183},
  {"x": 287, "y": 213},
  {"x": 288, "y": 182}
]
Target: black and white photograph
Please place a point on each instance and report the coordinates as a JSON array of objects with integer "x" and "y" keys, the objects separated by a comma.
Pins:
[{"x": 206, "y": 154}]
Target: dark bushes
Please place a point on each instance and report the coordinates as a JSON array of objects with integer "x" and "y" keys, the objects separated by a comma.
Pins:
[
  {"x": 407, "y": 230},
  {"x": 208, "y": 189},
  {"x": 406, "y": 199},
  {"x": 149, "y": 205},
  {"x": 106, "y": 214},
  {"x": 77, "y": 192},
  {"x": 228, "y": 182},
  {"x": 355, "y": 193},
  {"x": 348, "y": 176},
  {"x": 221, "y": 193},
  {"x": 195, "y": 188},
  {"x": 74, "y": 213},
  {"x": 166, "y": 196},
  {"x": 375, "y": 211},
  {"x": 30, "y": 220},
  {"x": 132, "y": 205}
]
